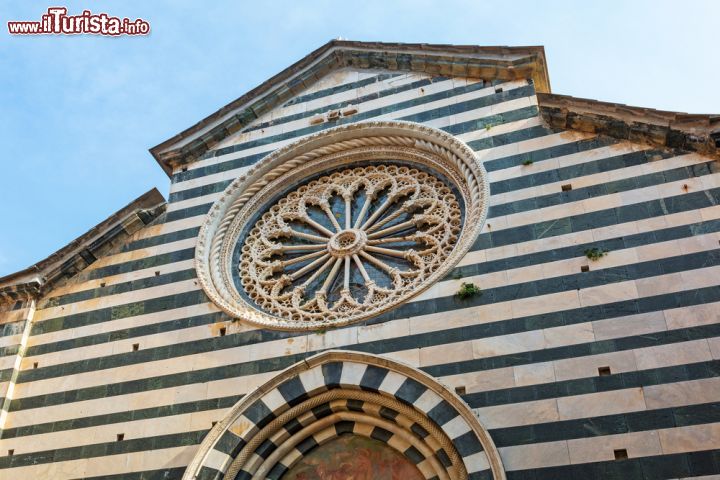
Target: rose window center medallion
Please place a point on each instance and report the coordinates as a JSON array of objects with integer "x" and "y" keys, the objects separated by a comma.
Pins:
[
  {"x": 342, "y": 225},
  {"x": 348, "y": 243}
]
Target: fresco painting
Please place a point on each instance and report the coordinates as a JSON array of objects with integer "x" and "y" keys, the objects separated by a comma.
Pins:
[{"x": 352, "y": 457}]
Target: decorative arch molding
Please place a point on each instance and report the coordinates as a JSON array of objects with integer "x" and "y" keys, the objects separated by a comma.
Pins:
[
  {"x": 437, "y": 187},
  {"x": 341, "y": 392}
]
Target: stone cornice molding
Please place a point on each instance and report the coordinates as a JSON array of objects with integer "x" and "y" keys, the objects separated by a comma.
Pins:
[
  {"x": 41, "y": 277},
  {"x": 487, "y": 63},
  {"x": 674, "y": 130}
]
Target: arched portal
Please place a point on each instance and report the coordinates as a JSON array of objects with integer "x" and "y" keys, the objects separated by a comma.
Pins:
[{"x": 340, "y": 393}]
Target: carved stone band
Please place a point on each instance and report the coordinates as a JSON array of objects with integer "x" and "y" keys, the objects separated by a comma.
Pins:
[
  {"x": 379, "y": 213},
  {"x": 346, "y": 243}
]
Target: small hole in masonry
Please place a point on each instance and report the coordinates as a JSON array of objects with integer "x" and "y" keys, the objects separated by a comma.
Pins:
[
  {"x": 120, "y": 437},
  {"x": 214, "y": 423},
  {"x": 11, "y": 452},
  {"x": 604, "y": 371},
  {"x": 620, "y": 454},
  {"x": 223, "y": 331},
  {"x": 498, "y": 89},
  {"x": 136, "y": 347},
  {"x": 102, "y": 284},
  {"x": 35, "y": 365},
  {"x": 566, "y": 188},
  {"x": 184, "y": 169},
  {"x": 584, "y": 268},
  {"x": 157, "y": 273},
  {"x": 460, "y": 390}
]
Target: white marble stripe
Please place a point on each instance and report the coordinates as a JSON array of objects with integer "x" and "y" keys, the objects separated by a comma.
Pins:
[
  {"x": 124, "y": 463},
  {"x": 126, "y": 323},
  {"x": 597, "y": 178},
  {"x": 613, "y": 200},
  {"x": 211, "y": 197},
  {"x": 617, "y": 258},
  {"x": 143, "y": 428},
  {"x": 10, "y": 340},
  {"x": 149, "y": 293},
  {"x": 613, "y": 402},
  {"x": 494, "y": 417},
  {"x": 372, "y": 104},
  {"x": 134, "y": 275},
  {"x": 441, "y": 122},
  {"x": 371, "y": 331},
  {"x": 531, "y": 340},
  {"x": 548, "y": 213},
  {"x": 601, "y": 448},
  {"x": 281, "y": 112}
]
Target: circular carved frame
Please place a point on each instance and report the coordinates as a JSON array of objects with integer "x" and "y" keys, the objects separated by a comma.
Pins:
[{"x": 329, "y": 150}]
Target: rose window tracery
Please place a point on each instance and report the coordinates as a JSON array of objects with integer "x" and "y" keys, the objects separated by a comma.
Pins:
[
  {"x": 342, "y": 225},
  {"x": 350, "y": 242}
]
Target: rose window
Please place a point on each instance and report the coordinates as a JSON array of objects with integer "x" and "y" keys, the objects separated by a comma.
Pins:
[
  {"x": 341, "y": 226},
  {"x": 348, "y": 243}
]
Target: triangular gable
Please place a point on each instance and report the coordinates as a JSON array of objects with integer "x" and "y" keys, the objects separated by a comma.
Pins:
[{"x": 487, "y": 63}]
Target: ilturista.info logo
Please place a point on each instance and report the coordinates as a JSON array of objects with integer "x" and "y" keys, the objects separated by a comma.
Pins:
[{"x": 57, "y": 22}]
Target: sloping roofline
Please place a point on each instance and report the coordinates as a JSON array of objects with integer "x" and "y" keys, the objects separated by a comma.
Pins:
[
  {"x": 507, "y": 63},
  {"x": 77, "y": 255},
  {"x": 675, "y": 130},
  {"x": 700, "y": 133}
]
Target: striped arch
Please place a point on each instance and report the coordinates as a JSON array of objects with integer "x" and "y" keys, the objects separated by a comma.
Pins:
[{"x": 341, "y": 392}]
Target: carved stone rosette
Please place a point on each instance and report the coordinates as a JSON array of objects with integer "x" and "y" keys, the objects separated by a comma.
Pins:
[{"x": 379, "y": 212}]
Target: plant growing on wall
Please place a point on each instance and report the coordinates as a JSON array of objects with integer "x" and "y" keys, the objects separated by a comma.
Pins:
[
  {"x": 595, "y": 253},
  {"x": 468, "y": 290}
]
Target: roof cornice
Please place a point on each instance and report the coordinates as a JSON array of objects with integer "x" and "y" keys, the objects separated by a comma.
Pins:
[
  {"x": 37, "y": 279},
  {"x": 676, "y": 130},
  {"x": 504, "y": 63}
]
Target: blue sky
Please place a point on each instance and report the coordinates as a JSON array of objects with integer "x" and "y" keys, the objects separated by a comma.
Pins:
[{"x": 78, "y": 114}]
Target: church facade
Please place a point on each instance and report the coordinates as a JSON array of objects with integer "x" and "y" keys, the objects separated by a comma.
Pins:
[{"x": 387, "y": 261}]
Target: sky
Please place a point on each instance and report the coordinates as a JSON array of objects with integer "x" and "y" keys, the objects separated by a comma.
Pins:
[{"x": 79, "y": 113}]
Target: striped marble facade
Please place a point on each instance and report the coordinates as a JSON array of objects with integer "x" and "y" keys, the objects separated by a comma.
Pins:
[{"x": 565, "y": 361}]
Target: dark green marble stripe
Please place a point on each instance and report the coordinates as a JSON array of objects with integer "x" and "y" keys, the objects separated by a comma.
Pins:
[
  {"x": 607, "y": 164},
  {"x": 343, "y": 104},
  {"x": 572, "y": 282},
  {"x": 12, "y": 328},
  {"x": 132, "y": 309},
  {"x": 541, "y": 432},
  {"x": 122, "y": 417},
  {"x": 674, "y": 417},
  {"x": 655, "y": 303},
  {"x": 162, "y": 474},
  {"x": 118, "y": 288},
  {"x": 489, "y": 142},
  {"x": 161, "y": 239},
  {"x": 650, "y": 209},
  {"x": 434, "y": 113},
  {"x": 613, "y": 244},
  {"x": 103, "y": 449},
  {"x": 326, "y": 92},
  {"x": 659, "y": 467},
  {"x": 140, "y": 264},
  {"x": 602, "y": 189},
  {"x": 559, "y": 198}
]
